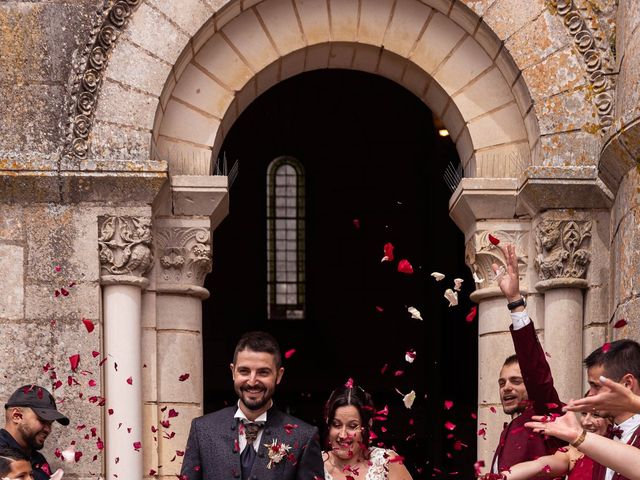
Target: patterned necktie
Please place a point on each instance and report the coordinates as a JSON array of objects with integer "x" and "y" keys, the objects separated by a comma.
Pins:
[
  {"x": 248, "y": 455},
  {"x": 614, "y": 431}
]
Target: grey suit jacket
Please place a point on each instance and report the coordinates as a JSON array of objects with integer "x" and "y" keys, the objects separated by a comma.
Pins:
[{"x": 212, "y": 449}]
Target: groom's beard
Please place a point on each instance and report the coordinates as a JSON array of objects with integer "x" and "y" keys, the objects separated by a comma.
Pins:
[{"x": 256, "y": 397}]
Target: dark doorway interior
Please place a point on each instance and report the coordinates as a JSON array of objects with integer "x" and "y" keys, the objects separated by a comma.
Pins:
[{"x": 374, "y": 166}]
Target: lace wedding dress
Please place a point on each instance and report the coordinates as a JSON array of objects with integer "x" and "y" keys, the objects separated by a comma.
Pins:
[{"x": 379, "y": 460}]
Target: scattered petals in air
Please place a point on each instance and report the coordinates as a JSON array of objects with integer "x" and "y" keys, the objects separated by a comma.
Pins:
[
  {"x": 438, "y": 276},
  {"x": 415, "y": 313},
  {"x": 172, "y": 413},
  {"x": 69, "y": 454},
  {"x": 74, "y": 360},
  {"x": 451, "y": 296},
  {"x": 449, "y": 425},
  {"x": 356, "y": 223},
  {"x": 405, "y": 267},
  {"x": 88, "y": 324},
  {"x": 472, "y": 314},
  {"x": 494, "y": 240},
  {"x": 499, "y": 274},
  {"x": 183, "y": 377},
  {"x": 398, "y": 373},
  {"x": 388, "y": 253},
  {"x": 620, "y": 323},
  {"x": 94, "y": 354},
  {"x": 546, "y": 469},
  {"x": 457, "y": 284},
  {"x": 379, "y": 309},
  {"x": 130, "y": 381},
  {"x": 64, "y": 292},
  {"x": 448, "y": 404},
  {"x": 606, "y": 347},
  {"x": 289, "y": 353},
  {"x": 410, "y": 356},
  {"x": 492, "y": 409},
  {"x": 349, "y": 383},
  {"x": 478, "y": 467},
  {"x": 384, "y": 368},
  {"x": 476, "y": 278},
  {"x": 137, "y": 446},
  {"x": 290, "y": 427}
]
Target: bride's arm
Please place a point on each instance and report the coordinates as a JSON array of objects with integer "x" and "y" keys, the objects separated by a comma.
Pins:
[{"x": 555, "y": 465}]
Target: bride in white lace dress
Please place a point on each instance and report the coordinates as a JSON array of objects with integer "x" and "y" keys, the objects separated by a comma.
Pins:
[{"x": 348, "y": 414}]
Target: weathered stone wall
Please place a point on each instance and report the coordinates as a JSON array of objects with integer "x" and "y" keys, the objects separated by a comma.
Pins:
[{"x": 37, "y": 42}]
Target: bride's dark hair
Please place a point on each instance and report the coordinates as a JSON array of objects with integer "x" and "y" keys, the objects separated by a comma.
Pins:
[{"x": 355, "y": 396}]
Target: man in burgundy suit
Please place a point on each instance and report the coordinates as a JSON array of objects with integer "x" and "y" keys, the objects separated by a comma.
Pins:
[
  {"x": 526, "y": 384},
  {"x": 619, "y": 361}
]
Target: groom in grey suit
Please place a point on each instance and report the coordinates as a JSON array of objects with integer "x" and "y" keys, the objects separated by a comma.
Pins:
[{"x": 253, "y": 440}]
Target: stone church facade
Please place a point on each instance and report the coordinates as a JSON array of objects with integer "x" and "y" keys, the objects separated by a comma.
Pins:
[{"x": 109, "y": 121}]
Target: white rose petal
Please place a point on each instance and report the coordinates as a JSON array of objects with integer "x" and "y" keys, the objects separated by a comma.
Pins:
[
  {"x": 451, "y": 296},
  {"x": 69, "y": 454},
  {"x": 477, "y": 279},
  {"x": 458, "y": 284},
  {"x": 499, "y": 274},
  {"x": 415, "y": 313},
  {"x": 438, "y": 276},
  {"x": 409, "y": 398}
]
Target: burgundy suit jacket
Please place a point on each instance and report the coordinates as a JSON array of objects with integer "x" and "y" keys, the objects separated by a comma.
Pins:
[
  {"x": 517, "y": 442},
  {"x": 599, "y": 471}
]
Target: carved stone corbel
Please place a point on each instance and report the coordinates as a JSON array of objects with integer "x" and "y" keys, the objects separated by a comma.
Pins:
[
  {"x": 125, "y": 249},
  {"x": 184, "y": 259},
  {"x": 481, "y": 254},
  {"x": 563, "y": 253}
]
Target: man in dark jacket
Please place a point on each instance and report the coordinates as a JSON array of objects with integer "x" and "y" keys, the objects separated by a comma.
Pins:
[
  {"x": 526, "y": 384},
  {"x": 29, "y": 415}
]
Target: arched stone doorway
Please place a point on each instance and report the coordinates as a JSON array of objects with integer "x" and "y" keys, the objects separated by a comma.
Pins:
[{"x": 381, "y": 163}]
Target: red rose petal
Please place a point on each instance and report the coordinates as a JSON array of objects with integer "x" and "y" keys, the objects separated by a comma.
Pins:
[
  {"x": 356, "y": 223},
  {"x": 130, "y": 381},
  {"x": 88, "y": 324},
  {"x": 620, "y": 323},
  {"x": 606, "y": 347},
  {"x": 183, "y": 377},
  {"x": 289, "y": 353},
  {"x": 74, "y": 360},
  {"x": 405, "y": 267},
  {"x": 172, "y": 413},
  {"x": 448, "y": 404},
  {"x": 137, "y": 446},
  {"x": 388, "y": 252},
  {"x": 449, "y": 426},
  {"x": 65, "y": 293},
  {"x": 472, "y": 314},
  {"x": 494, "y": 240}
]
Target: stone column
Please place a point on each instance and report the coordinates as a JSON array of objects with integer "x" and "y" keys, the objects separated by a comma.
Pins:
[
  {"x": 184, "y": 258},
  {"x": 125, "y": 256},
  {"x": 494, "y": 339},
  {"x": 563, "y": 255}
]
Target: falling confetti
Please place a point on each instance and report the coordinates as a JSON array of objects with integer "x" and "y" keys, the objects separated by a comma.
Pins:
[
  {"x": 457, "y": 284},
  {"x": 289, "y": 353},
  {"x": 88, "y": 325},
  {"x": 472, "y": 314},
  {"x": 451, "y": 296},
  {"x": 405, "y": 267},
  {"x": 494, "y": 240},
  {"x": 388, "y": 253},
  {"x": 620, "y": 323},
  {"x": 438, "y": 276},
  {"x": 415, "y": 313},
  {"x": 410, "y": 356}
]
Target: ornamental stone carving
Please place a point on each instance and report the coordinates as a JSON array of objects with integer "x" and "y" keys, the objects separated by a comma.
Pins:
[
  {"x": 184, "y": 255},
  {"x": 125, "y": 245},
  {"x": 596, "y": 54},
  {"x": 562, "y": 249},
  {"x": 481, "y": 254},
  {"x": 86, "y": 78}
]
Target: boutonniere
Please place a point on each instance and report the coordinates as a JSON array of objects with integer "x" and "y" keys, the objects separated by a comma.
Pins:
[{"x": 276, "y": 451}]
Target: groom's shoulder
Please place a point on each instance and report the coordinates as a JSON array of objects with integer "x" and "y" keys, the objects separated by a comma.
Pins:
[
  {"x": 295, "y": 424},
  {"x": 217, "y": 417}
]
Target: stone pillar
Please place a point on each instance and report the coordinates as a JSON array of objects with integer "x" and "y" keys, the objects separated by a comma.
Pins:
[
  {"x": 563, "y": 256},
  {"x": 125, "y": 256},
  {"x": 494, "y": 339},
  {"x": 183, "y": 244}
]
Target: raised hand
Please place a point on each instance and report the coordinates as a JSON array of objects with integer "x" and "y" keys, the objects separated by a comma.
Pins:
[
  {"x": 567, "y": 427},
  {"x": 509, "y": 283},
  {"x": 616, "y": 398}
]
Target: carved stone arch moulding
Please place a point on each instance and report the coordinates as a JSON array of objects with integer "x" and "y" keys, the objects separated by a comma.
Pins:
[
  {"x": 596, "y": 54},
  {"x": 87, "y": 75}
]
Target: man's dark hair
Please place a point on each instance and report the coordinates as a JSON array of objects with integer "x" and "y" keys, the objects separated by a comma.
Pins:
[
  {"x": 617, "y": 358},
  {"x": 7, "y": 457},
  {"x": 510, "y": 360},
  {"x": 259, "y": 342}
]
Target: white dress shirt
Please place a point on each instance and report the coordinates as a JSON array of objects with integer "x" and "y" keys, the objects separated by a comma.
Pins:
[
  {"x": 628, "y": 427},
  {"x": 242, "y": 441}
]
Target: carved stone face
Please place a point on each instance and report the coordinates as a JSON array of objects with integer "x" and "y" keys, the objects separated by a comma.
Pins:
[{"x": 548, "y": 234}]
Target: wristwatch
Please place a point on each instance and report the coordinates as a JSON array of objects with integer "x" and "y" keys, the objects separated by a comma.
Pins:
[{"x": 521, "y": 302}]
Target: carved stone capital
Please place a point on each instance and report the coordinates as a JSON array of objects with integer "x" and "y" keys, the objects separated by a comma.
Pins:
[
  {"x": 125, "y": 248},
  {"x": 481, "y": 254},
  {"x": 563, "y": 250},
  {"x": 184, "y": 259}
]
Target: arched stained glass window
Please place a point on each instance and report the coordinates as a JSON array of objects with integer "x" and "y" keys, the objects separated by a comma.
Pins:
[{"x": 285, "y": 239}]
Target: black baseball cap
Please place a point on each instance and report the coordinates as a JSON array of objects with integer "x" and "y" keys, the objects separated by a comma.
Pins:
[{"x": 39, "y": 400}]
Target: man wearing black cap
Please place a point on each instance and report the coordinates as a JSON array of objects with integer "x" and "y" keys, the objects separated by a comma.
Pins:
[{"x": 30, "y": 411}]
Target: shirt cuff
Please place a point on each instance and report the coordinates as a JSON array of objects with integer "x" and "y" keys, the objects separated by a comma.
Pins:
[{"x": 520, "y": 319}]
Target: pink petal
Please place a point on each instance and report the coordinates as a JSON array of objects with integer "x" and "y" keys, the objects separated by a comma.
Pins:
[
  {"x": 448, "y": 404},
  {"x": 472, "y": 314},
  {"x": 449, "y": 426},
  {"x": 289, "y": 353},
  {"x": 88, "y": 324},
  {"x": 349, "y": 383},
  {"x": 606, "y": 347},
  {"x": 74, "y": 360}
]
